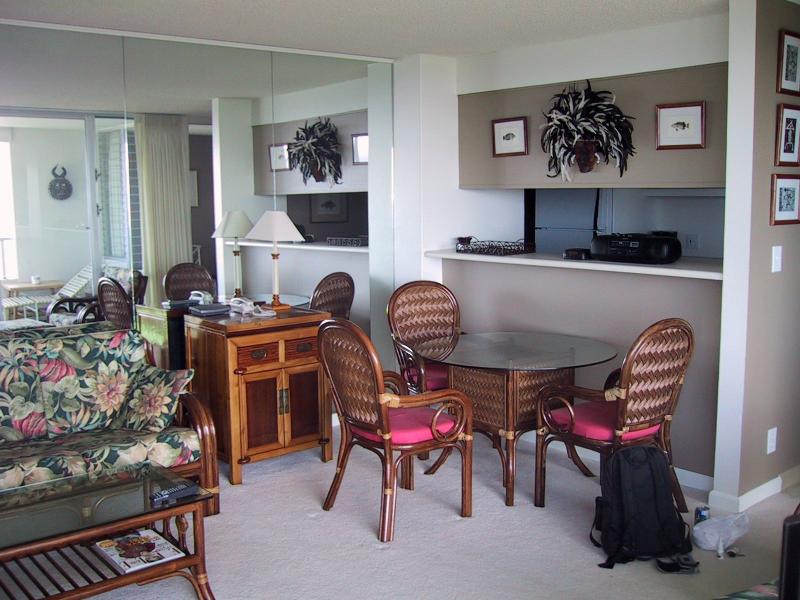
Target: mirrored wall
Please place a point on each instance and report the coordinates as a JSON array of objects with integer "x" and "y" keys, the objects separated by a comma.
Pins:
[{"x": 126, "y": 152}]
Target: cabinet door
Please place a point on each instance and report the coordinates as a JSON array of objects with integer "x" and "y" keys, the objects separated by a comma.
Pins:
[
  {"x": 304, "y": 417},
  {"x": 263, "y": 423}
]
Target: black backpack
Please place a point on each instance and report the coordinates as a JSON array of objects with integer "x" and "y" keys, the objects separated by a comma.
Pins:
[{"x": 636, "y": 515}]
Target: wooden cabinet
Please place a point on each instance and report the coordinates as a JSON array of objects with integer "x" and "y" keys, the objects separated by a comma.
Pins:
[{"x": 262, "y": 381}]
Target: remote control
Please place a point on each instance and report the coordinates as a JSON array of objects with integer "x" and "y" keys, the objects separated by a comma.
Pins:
[{"x": 180, "y": 490}]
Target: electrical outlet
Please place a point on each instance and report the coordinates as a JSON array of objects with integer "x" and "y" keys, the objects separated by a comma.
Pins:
[
  {"x": 692, "y": 241},
  {"x": 777, "y": 259},
  {"x": 772, "y": 440}
]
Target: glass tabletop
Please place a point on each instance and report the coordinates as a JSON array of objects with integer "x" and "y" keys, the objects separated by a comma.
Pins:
[
  {"x": 61, "y": 506},
  {"x": 517, "y": 351}
]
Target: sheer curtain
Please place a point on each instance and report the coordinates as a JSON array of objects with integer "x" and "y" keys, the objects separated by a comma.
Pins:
[{"x": 162, "y": 152}]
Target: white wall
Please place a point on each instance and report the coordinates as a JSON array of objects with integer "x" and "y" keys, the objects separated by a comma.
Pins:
[
  {"x": 671, "y": 45},
  {"x": 430, "y": 209},
  {"x": 334, "y": 99},
  {"x": 53, "y": 240}
]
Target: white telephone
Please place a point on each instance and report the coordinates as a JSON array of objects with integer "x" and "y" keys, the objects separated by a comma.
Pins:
[
  {"x": 245, "y": 306},
  {"x": 201, "y": 296}
]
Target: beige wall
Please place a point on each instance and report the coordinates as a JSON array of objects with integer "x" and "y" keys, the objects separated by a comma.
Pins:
[
  {"x": 772, "y": 374},
  {"x": 637, "y": 96},
  {"x": 613, "y": 307}
]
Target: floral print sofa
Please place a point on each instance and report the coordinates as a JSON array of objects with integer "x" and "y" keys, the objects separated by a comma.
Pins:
[{"x": 84, "y": 399}]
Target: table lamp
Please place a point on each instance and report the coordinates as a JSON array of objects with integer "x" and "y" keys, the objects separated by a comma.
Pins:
[
  {"x": 275, "y": 226},
  {"x": 235, "y": 224}
]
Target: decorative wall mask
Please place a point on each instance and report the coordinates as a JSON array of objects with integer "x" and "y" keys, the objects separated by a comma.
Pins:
[
  {"x": 60, "y": 188},
  {"x": 315, "y": 151},
  {"x": 584, "y": 126}
]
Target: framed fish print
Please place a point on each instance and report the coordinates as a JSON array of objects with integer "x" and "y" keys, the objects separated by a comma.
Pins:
[
  {"x": 786, "y": 150},
  {"x": 681, "y": 126},
  {"x": 510, "y": 137},
  {"x": 788, "y": 68},
  {"x": 785, "y": 196}
]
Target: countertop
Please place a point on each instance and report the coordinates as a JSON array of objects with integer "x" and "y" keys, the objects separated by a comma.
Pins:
[{"x": 688, "y": 267}]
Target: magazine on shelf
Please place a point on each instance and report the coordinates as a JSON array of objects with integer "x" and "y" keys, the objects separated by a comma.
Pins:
[{"x": 136, "y": 550}]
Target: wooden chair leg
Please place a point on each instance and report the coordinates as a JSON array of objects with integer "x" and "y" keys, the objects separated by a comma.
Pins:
[
  {"x": 572, "y": 452},
  {"x": 439, "y": 461},
  {"x": 345, "y": 447},
  {"x": 466, "y": 479},
  {"x": 541, "y": 467},
  {"x": 388, "y": 500},
  {"x": 677, "y": 492},
  {"x": 407, "y": 473},
  {"x": 424, "y": 455}
]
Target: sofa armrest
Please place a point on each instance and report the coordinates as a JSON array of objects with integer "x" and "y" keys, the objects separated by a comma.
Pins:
[{"x": 193, "y": 414}]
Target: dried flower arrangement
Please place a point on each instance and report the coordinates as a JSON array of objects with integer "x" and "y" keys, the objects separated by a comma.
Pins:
[
  {"x": 582, "y": 126},
  {"x": 315, "y": 151}
]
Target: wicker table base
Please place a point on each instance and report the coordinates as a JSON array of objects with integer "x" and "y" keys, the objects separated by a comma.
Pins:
[{"x": 504, "y": 407}]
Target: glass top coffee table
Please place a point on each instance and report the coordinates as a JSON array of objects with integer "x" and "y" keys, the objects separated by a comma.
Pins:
[
  {"x": 502, "y": 372},
  {"x": 49, "y": 530}
]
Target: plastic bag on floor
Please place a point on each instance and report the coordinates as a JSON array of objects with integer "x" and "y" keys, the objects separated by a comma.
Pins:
[{"x": 719, "y": 533}]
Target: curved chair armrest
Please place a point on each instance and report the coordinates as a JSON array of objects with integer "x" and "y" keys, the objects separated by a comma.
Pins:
[
  {"x": 196, "y": 416},
  {"x": 410, "y": 361},
  {"x": 613, "y": 379},
  {"x": 90, "y": 312},
  {"x": 395, "y": 382},
  {"x": 69, "y": 305},
  {"x": 454, "y": 402},
  {"x": 562, "y": 395}
]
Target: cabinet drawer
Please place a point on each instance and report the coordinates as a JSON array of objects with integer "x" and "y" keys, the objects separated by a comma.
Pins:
[
  {"x": 259, "y": 354},
  {"x": 301, "y": 348}
]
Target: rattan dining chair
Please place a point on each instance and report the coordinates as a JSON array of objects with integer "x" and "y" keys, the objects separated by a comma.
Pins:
[
  {"x": 115, "y": 303},
  {"x": 184, "y": 278},
  {"x": 334, "y": 294},
  {"x": 421, "y": 311},
  {"x": 393, "y": 425},
  {"x": 635, "y": 407}
]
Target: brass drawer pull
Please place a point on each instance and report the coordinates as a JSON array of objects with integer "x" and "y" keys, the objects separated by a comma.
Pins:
[
  {"x": 259, "y": 354},
  {"x": 304, "y": 347}
]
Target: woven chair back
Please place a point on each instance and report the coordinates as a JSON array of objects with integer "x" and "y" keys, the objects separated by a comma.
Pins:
[
  {"x": 420, "y": 311},
  {"x": 139, "y": 287},
  {"x": 184, "y": 278},
  {"x": 652, "y": 373},
  {"x": 355, "y": 372},
  {"x": 334, "y": 294},
  {"x": 115, "y": 303}
]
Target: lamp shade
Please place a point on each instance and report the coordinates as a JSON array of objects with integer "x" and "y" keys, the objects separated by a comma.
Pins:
[
  {"x": 234, "y": 224},
  {"x": 275, "y": 226}
]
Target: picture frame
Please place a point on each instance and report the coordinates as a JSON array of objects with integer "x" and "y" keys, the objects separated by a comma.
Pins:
[
  {"x": 681, "y": 125},
  {"x": 787, "y": 142},
  {"x": 785, "y": 198},
  {"x": 278, "y": 157},
  {"x": 328, "y": 208},
  {"x": 788, "y": 62},
  {"x": 360, "y": 148},
  {"x": 194, "y": 200},
  {"x": 510, "y": 137}
]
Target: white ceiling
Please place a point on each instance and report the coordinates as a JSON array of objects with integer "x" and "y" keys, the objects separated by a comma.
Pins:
[{"x": 376, "y": 28}]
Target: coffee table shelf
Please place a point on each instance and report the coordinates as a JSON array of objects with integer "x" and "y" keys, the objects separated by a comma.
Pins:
[{"x": 63, "y": 562}]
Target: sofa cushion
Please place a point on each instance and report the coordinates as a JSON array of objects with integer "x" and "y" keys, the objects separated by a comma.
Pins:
[
  {"x": 33, "y": 461},
  {"x": 25, "y": 462},
  {"x": 115, "y": 448},
  {"x": 85, "y": 379},
  {"x": 21, "y": 407},
  {"x": 153, "y": 398}
]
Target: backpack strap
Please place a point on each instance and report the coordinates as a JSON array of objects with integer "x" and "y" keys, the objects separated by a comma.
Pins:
[{"x": 598, "y": 513}]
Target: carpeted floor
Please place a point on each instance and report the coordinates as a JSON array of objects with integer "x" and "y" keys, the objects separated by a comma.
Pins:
[{"x": 273, "y": 540}]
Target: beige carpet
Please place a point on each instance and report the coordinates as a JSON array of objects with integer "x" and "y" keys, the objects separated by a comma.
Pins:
[{"x": 273, "y": 540}]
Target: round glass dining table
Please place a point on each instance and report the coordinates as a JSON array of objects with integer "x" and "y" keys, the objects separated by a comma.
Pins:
[{"x": 502, "y": 373}]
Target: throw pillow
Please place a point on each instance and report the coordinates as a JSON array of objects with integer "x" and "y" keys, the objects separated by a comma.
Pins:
[{"x": 153, "y": 398}]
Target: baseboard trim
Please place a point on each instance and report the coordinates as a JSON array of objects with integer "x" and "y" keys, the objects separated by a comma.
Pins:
[{"x": 731, "y": 503}]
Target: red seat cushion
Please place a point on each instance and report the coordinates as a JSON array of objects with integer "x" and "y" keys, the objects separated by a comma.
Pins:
[
  {"x": 411, "y": 425},
  {"x": 596, "y": 421},
  {"x": 435, "y": 376}
]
